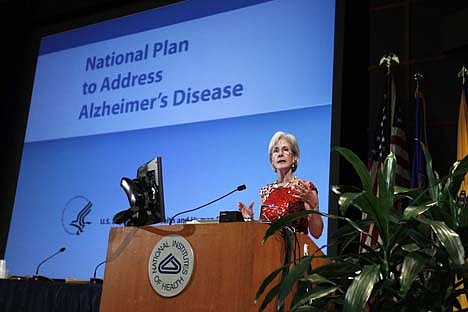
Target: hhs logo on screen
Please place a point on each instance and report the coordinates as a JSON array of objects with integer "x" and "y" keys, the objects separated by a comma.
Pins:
[{"x": 74, "y": 215}]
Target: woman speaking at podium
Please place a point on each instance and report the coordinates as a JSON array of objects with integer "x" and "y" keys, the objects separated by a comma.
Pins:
[{"x": 288, "y": 194}]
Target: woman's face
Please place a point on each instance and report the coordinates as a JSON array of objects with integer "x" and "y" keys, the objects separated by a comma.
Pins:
[{"x": 282, "y": 157}]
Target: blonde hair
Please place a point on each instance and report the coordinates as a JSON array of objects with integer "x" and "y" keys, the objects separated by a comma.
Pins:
[{"x": 291, "y": 139}]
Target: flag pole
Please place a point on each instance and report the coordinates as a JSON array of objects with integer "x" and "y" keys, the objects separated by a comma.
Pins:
[
  {"x": 419, "y": 77},
  {"x": 387, "y": 60}
]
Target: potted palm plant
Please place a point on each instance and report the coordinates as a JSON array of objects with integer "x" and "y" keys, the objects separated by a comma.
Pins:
[{"x": 414, "y": 266}]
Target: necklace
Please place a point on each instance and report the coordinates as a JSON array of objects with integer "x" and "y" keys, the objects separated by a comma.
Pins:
[{"x": 277, "y": 184}]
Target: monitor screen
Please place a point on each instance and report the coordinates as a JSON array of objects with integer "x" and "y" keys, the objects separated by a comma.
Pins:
[
  {"x": 145, "y": 196},
  {"x": 150, "y": 176},
  {"x": 203, "y": 84}
]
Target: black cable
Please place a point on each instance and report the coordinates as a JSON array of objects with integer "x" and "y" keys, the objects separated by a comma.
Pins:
[
  {"x": 287, "y": 236},
  {"x": 297, "y": 248}
]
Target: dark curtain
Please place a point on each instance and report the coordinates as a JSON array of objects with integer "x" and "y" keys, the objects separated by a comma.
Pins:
[{"x": 48, "y": 296}]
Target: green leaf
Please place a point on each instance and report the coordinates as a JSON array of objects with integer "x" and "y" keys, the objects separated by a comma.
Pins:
[
  {"x": 366, "y": 202},
  {"x": 431, "y": 177},
  {"x": 414, "y": 211},
  {"x": 372, "y": 206},
  {"x": 297, "y": 272},
  {"x": 348, "y": 199},
  {"x": 387, "y": 181},
  {"x": 358, "y": 166},
  {"x": 267, "y": 281},
  {"x": 458, "y": 172},
  {"x": 413, "y": 264},
  {"x": 340, "y": 268},
  {"x": 394, "y": 216},
  {"x": 284, "y": 221},
  {"x": 269, "y": 297},
  {"x": 314, "y": 294},
  {"x": 385, "y": 199},
  {"x": 416, "y": 195},
  {"x": 317, "y": 278},
  {"x": 448, "y": 238},
  {"x": 398, "y": 235},
  {"x": 349, "y": 221},
  {"x": 360, "y": 290},
  {"x": 410, "y": 247},
  {"x": 340, "y": 189}
]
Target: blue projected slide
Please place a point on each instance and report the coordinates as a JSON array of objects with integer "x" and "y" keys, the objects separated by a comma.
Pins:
[{"x": 205, "y": 90}]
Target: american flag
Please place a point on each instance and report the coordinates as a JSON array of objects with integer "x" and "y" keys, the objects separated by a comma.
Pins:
[{"x": 390, "y": 136}]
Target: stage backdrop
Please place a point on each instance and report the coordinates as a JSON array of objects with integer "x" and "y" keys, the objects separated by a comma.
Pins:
[{"x": 202, "y": 84}]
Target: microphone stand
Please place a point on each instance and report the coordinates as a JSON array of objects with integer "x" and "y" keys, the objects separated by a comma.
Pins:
[
  {"x": 239, "y": 188},
  {"x": 38, "y": 277},
  {"x": 95, "y": 280}
]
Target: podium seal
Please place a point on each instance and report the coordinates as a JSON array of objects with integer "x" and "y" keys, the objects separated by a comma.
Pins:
[{"x": 170, "y": 265}]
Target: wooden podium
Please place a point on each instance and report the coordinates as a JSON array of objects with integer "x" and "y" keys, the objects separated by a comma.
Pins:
[{"x": 230, "y": 263}]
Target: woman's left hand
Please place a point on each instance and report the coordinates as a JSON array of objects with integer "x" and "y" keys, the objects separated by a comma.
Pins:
[{"x": 305, "y": 193}]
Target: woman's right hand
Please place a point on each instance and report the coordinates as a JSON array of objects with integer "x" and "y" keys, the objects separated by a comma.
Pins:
[{"x": 247, "y": 211}]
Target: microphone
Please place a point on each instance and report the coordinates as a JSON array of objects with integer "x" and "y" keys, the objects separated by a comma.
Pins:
[
  {"x": 95, "y": 280},
  {"x": 239, "y": 188},
  {"x": 37, "y": 277}
]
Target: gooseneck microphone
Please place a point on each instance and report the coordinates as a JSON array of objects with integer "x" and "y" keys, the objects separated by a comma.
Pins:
[
  {"x": 38, "y": 277},
  {"x": 239, "y": 188},
  {"x": 95, "y": 280}
]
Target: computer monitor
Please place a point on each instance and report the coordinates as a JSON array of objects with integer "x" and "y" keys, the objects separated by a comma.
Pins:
[{"x": 145, "y": 195}]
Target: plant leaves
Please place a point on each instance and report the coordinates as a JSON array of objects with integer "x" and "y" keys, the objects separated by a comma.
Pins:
[
  {"x": 387, "y": 181},
  {"x": 385, "y": 199},
  {"x": 410, "y": 247},
  {"x": 267, "y": 281},
  {"x": 413, "y": 264},
  {"x": 448, "y": 238},
  {"x": 285, "y": 221},
  {"x": 317, "y": 278},
  {"x": 360, "y": 290},
  {"x": 372, "y": 206},
  {"x": 458, "y": 172},
  {"x": 314, "y": 294},
  {"x": 340, "y": 268},
  {"x": 388, "y": 271},
  {"x": 347, "y": 199},
  {"x": 269, "y": 297},
  {"x": 414, "y": 211},
  {"x": 431, "y": 177},
  {"x": 358, "y": 166},
  {"x": 298, "y": 271}
]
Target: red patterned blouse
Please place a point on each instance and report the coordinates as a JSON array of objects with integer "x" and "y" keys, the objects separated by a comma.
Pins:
[{"x": 278, "y": 201}]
